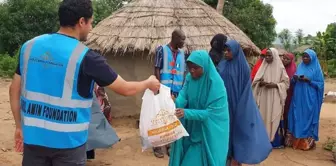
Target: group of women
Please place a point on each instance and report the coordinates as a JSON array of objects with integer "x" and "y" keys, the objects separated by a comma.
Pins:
[{"x": 234, "y": 117}]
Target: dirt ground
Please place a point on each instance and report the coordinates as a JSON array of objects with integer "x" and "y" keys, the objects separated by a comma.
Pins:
[{"x": 128, "y": 151}]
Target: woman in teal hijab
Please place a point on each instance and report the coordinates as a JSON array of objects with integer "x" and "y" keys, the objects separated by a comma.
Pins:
[{"x": 203, "y": 110}]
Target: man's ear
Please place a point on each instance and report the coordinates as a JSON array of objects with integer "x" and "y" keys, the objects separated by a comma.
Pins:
[{"x": 82, "y": 21}]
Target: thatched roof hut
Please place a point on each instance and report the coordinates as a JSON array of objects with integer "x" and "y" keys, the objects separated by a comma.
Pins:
[
  {"x": 129, "y": 37},
  {"x": 142, "y": 25}
]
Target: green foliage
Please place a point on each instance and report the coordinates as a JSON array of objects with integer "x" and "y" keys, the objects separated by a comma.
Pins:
[
  {"x": 299, "y": 36},
  {"x": 213, "y": 3},
  {"x": 286, "y": 38},
  {"x": 21, "y": 20},
  {"x": 308, "y": 40},
  {"x": 325, "y": 46},
  {"x": 331, "y": 67},
  {"x": 252, "y": 17},
  {"x": 329, "y": 144},
  {"x": 8, "y": 64},
  {"x": 325, "y": 42},
  {"x": 104, "y": 8}
]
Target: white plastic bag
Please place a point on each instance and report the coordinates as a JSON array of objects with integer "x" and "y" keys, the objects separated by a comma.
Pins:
[{"x": 158, "y": 124}]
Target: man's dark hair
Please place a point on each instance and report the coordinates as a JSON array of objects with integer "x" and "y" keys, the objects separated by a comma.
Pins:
[{"x": 70, "y": 11}]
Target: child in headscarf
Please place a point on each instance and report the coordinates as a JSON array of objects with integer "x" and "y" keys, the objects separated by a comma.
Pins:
[
  {"x": 203, "y": 111},
  {"x": 290, "y": 65},
  {"x": 249, "y": 142},
  {"x": 288, "y": 61}
]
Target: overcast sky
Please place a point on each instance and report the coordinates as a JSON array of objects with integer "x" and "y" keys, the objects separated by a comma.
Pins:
[{"x": 309, "y": 15}]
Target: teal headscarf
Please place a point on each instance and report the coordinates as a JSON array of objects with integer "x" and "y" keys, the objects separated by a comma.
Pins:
[{"x": 206, "y": 117}]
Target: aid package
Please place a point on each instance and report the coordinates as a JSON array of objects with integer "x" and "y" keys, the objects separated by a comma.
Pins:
[{"x": 158, "y": 124}]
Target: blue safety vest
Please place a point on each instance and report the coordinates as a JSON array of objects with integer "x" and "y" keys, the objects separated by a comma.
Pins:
[
  {"x": 53, "y": 114},
  {"x": 172, "y": 72}
]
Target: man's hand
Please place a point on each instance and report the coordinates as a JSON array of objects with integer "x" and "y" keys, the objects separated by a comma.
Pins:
[
  {"x": 179, "y": 113},
  {"x": 130, "y": 88},
  {"x": 18, "y": 138},
  {"x": 153, "y": 84}
]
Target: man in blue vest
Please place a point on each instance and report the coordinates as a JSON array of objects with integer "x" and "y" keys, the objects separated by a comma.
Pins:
[
  {"x": 170, "y": 69},
  {"x": 51, "y": 92}
]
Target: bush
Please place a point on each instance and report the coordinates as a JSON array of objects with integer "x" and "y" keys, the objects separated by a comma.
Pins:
[
  {"x": 332, "y": 68},
  {"x": 329, "y": 144},
  {"x": 8, "y": 64}
]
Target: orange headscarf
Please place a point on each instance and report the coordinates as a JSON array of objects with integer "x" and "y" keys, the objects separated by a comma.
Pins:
[{"x": 258, "y": 64}]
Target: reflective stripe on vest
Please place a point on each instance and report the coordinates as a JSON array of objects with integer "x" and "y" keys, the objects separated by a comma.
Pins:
[
  {"x": 171, "y": 82},
  {"x": 64, "y": 101},
  {"x": 172, "y": 76},
  {"x": 29, "y": 121}
]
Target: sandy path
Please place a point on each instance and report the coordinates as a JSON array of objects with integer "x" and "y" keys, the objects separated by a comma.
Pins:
[{"x": 128, "y": 151}]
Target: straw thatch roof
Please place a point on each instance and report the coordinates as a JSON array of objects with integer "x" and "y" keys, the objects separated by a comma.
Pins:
[{"x": 143, "y": 25}]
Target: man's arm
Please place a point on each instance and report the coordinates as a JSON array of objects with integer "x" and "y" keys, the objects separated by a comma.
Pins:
[
  {"x": 158, "y": 62},
  {"x": 96, "y": 67},
  {"x": 14, "y": 99},
  {"x": 128, "y": 88},
  {"x": 14, "y": 95}
]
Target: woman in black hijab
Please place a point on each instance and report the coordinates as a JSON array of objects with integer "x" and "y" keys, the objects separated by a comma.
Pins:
[{"x": 217, "y": 48}]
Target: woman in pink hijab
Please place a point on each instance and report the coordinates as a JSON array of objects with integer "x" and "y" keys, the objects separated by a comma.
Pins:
[
  {"x": 280, "y": 140},
  {"x": 289, "y": 63}
]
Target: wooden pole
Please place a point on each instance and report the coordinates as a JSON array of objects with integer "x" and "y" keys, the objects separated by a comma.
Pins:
[{"x": 220, "y": 6}]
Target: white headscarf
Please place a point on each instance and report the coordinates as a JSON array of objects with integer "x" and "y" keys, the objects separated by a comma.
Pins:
[{"x": 271, "y": 72}]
